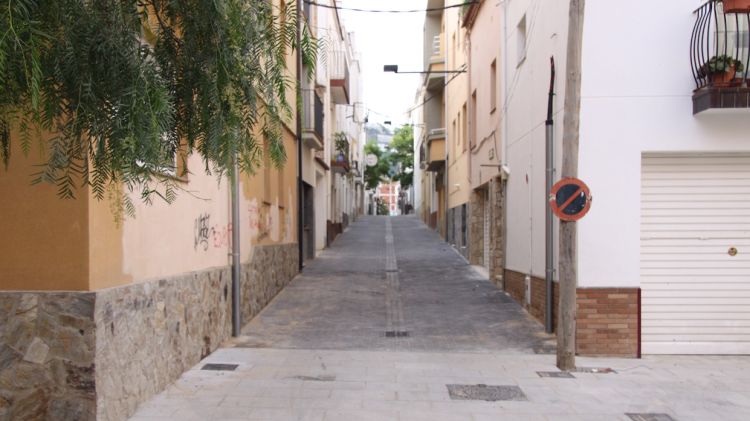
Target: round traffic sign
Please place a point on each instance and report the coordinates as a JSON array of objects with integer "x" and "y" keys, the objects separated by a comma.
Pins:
[
  {"x": 570, "y": 199},
  {"x": 371, "y": 160}
]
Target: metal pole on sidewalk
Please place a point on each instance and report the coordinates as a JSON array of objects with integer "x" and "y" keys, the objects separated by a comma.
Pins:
[
  {"x": 300, "y": 191},
  {"x": 550, "y": 173},
  {"x": 236, "y": 320}
]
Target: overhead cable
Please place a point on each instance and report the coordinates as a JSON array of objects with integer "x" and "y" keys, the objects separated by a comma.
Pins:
[{"x": 354, "y": 9}]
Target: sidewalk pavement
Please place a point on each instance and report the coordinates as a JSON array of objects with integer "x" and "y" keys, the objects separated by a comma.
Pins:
[{"x": 350, "y": 385}]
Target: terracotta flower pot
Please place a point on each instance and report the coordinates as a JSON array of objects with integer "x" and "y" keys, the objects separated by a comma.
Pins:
[
  {"x": 736, "y": 6},
  {"x": 724, "y": 79}
]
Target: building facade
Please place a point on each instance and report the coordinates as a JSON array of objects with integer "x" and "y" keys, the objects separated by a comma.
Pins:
[
  {"x": 100, "y": 311},
  {"x": 665, "y": 157}
]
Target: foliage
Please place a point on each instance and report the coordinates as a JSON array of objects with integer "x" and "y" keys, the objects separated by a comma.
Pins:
[
  {"x": 125, "y": 84},
  {"x": 402, "y": 157},
  {"x": 721, "y": 64},
  {"x": 341, "y": 143},
  {"x": 378, "y": 172},
  {"x": 383, "y": 208}
]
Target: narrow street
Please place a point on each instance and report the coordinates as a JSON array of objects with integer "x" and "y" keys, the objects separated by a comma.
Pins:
[
  {"x": 384, "y": 323},
  {"x": 393, "y": 284}
]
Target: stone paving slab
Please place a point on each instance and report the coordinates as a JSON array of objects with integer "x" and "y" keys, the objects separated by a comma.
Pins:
[
  {"x": 394, "y": 275},
  {"x": 381, "y": 385}
]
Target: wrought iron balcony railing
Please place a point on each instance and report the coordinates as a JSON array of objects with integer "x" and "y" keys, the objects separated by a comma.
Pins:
[
  {"x": 719, "y": 46},
  {"x": 720, "y": 55}
]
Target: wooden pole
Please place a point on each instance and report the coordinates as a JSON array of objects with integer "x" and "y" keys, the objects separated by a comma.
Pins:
[{"x": 568, "y": 259}]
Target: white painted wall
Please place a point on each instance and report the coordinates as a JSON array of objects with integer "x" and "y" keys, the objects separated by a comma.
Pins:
[
  {"x": 629, "y": 106},
  {"x": 661, "y": 105}
]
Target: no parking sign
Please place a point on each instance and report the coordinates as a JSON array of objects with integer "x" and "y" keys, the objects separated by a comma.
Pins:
[{"x": 570, "y": 199}]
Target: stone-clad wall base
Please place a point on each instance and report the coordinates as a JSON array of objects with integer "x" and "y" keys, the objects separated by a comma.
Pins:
[
  {"x": 607, "y": 318},
  {"x": 148, "y": 334},
  {"x": 47, "y": 343},
  {"x": 271, "y": 269},
  {"x": 98, "y": 355}
]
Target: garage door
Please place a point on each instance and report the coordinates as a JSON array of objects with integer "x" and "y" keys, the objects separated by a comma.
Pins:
[{"x": 695, "y": 254}]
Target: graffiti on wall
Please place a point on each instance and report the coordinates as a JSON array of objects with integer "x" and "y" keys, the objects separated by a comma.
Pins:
[
  {"x": 265, "y": 220},
  {"x": 206, "y": 235}
]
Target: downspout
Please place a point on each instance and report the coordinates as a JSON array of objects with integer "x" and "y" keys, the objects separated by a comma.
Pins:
[
  {"x": 300, "y": 206},
  {"x": 236, "y": 319},
  {"x": 549, "y": 222}
]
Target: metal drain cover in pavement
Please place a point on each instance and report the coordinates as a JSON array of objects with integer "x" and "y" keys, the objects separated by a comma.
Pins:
[
  {"x": 555, "y": 374},
  {"x": 650, "y": 417},
  {"x": 396, "y": 334},
  {"x": 482, "y": 392},
  {"x": 595, "y": 370},
  {"x": 220, "y": 367}
]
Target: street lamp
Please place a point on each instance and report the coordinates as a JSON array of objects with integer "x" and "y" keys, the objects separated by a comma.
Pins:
[{"x": 393, "y": 68}]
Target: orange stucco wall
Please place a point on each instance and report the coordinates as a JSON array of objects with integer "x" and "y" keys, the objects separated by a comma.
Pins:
[{"x": 43, "y": 239}]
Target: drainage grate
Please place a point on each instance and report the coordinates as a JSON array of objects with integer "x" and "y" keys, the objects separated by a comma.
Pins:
[
  {"x": 596, "y": 370},
  {"x": 555, "y": 374},
  {"x": 396, "y": 334},
  {"x": 650, "y": 417},
  {"x": 220, "y": 367},
  {"x": 482, "y": 392}
]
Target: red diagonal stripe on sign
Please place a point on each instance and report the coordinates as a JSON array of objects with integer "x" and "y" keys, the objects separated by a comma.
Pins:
[{"x": 570, "y": 200}]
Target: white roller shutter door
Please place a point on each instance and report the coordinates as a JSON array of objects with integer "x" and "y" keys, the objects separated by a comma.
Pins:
[{"x": 695, "y": 210}]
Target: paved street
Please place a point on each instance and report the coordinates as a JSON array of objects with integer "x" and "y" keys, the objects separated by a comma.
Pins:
[{"x": 381, "y": 323}]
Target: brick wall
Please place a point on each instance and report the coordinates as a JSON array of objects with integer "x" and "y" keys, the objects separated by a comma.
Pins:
[
  {"x": 607, "y": 318},
  {"x": 607, "y": 322},
  {"x": 514, "y": 285}
]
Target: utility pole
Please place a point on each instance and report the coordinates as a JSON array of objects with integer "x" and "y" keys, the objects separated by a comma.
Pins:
[{"x": 566, "y": 323}]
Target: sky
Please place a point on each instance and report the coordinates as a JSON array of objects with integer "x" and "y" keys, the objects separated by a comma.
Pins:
[{"x": 384, "y": 38}]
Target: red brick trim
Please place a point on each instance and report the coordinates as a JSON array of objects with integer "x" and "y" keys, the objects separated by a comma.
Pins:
[
  {"x": 608, "y": 319},
  {"x": 608, "y": 322}
]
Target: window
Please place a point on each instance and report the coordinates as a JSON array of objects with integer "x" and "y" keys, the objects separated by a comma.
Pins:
[
  {"x": 473, "y": 111},
  {"x": 493, "y": 86},
  {"x": 521, "y": 40}
]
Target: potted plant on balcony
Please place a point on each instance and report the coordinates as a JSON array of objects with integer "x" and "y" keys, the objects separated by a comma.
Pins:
[
  {"x": 736, "y": 6},
  {"x": 721, "y": 70}
]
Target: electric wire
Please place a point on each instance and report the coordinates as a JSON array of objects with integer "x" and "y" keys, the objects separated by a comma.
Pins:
[{"x": 354, "y": 9}]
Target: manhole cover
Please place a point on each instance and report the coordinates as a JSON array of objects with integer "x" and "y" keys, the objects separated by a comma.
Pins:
[
  {"x": 650, "y": 417},
  {"x": 396, "y": 334},
  {"x": 555, "y": 374},
  {"x": 220, "y": 367},
  {"x": 482, "y": 392},
  {"x": 595, "y": 370}
]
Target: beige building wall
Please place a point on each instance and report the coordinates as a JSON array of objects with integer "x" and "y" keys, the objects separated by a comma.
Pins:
[
  {"x": 44, "y": 238},
  {"x": 456, "y": 98},
  {"x": 485, "y": 106},
  {"x": 87, "y": 244}
]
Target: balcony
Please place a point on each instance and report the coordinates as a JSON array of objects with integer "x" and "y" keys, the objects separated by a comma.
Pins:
[
  {"x": 312, "y": 119},
  {"x": 720, "y": 57},
  {"x": 436, "y": 64},
  {"x": 340, "y": 160},
  {"x": 436, "y": 150},
  {"x": 340, "y": 164},
  {"x": 339, "y": 69}
]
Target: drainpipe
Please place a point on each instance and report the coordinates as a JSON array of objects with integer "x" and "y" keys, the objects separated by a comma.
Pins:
[
  {"x": 549, "y": 225},
  {"x": 236, "y": 319},
  {"x": 300, "y": 206}
]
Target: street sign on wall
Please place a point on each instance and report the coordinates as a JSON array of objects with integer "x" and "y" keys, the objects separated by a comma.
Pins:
[
  {"x": 371, "y": 160},
  {"x": 570, "y": 199}
]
